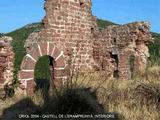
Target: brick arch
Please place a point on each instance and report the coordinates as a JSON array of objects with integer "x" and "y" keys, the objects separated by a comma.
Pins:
[{"x": 26, "y": 74}]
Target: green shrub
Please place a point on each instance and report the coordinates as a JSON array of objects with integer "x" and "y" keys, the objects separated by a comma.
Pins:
[
  {"x": 9, "y": 90},
  {"x": 154, "y": 49}
]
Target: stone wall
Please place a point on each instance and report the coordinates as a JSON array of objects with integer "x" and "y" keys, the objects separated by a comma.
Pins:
[
  {"x": 6, "y": 62},
  {"x": 116, "y": 45},
  {"x": 69, "y": 25}
]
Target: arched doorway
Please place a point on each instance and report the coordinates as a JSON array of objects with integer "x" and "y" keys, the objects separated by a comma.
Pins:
[
  {"x": 26, "y": 74},
  {"x": 44, "y": 74}
]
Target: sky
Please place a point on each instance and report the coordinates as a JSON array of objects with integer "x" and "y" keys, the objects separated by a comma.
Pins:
[{"x": 17, "y": 13}]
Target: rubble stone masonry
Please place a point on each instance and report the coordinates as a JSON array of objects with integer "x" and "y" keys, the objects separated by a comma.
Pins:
[
  {"x": 123, "y": 50},
  {"x": 6, "y": 62}
]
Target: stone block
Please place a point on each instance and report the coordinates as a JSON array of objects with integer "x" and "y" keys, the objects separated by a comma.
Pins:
[
  {"x": 28, "y": 63},
  {"x": 30, "y": 87},
  {"x": 60, "y": 63},
  {"x": 43, "y": 48},
  {"x": 26, "y": 74}
]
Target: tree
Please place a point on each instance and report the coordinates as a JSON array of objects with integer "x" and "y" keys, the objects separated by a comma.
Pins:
[{"x": 1, "y": 34}]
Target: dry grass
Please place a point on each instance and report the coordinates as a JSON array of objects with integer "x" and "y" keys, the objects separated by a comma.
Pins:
[
  {"x": 120, "y": 96},
  {"x": 116, "y": 96},
  {"x": 19, "y": 95}
]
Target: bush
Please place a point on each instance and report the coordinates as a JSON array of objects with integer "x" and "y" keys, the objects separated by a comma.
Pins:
[
  {"x": 1, "y": 34},
  {"x": 9, "y": 90}
]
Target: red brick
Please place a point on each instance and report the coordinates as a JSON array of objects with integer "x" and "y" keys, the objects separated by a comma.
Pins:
[
  {"x": 2, "y": 59},
  {"x": 35, "y": 53},
  {"x": 56, "y": 53},
  {"x": 51, "y": 47},
  {"x": 60, "y": 63},
  {"x": 1, "y": 79},
  {"x": 60, "y": 73},
  {"x": 43, "y": 47},
  {"x": 30, "y": 87},
  {"x": 28, "y": 64},
  {"x": 26, "y": 75}
]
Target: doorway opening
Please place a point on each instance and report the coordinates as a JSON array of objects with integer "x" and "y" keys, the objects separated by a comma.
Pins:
[
  {"x": 116, "y": 60},
  {"x": 43, "y": 75}
]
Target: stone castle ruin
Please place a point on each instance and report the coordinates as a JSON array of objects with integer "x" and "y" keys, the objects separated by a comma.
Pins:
[{"x": 71, "y": 37}]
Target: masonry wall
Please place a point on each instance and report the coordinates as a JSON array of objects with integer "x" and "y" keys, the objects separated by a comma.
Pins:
[
  {"x": 124, "y": 41},
  {"x": 6, "y": 62},
  {"x": 67, "y": 37},
  {"x": 69, "y": 25}
]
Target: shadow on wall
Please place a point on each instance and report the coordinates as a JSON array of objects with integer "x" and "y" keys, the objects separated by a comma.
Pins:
[{"x": 69, "y": 101}]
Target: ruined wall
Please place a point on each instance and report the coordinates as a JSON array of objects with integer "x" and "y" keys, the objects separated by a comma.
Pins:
[
  {"x": 6, "y": 61},
  {"x": 67, "y": 37},
  {"x": 69, "y": 25},
  {"x": 123, "y": 48}
]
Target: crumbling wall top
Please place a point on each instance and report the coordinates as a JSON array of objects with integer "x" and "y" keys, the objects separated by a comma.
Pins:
[
  {"x": 123, "y": 35},
  {"x": 5, "y": 41},
  {"x": 6, "y": 61}
]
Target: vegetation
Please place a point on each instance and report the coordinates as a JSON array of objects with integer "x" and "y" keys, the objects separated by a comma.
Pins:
[
  {"x": 42, "y": 70},
  {"x": 104, "y": 23},
  {"x": 154, "y": 49},
  {"x": 134, "y": 99},
  {"x": 19, "y": 36},
  {"x": 43, "y": 74},
  {"x": 1, "y": 34}
]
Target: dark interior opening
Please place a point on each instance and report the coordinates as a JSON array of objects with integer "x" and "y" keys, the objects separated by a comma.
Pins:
[
  {"x": 115, "y": 57},
  {"x": 81, "y": 4},
  {"x": 115, "y": 41},
  {"x": 137, "y": 42},
  {"x": 57, "y": 7},
  {"x": 92, "y": 30},
  {"x": 116, "y": 72}
]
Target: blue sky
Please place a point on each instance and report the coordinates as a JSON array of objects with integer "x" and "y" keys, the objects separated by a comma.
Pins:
[{"x": 17, "y": 13}]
